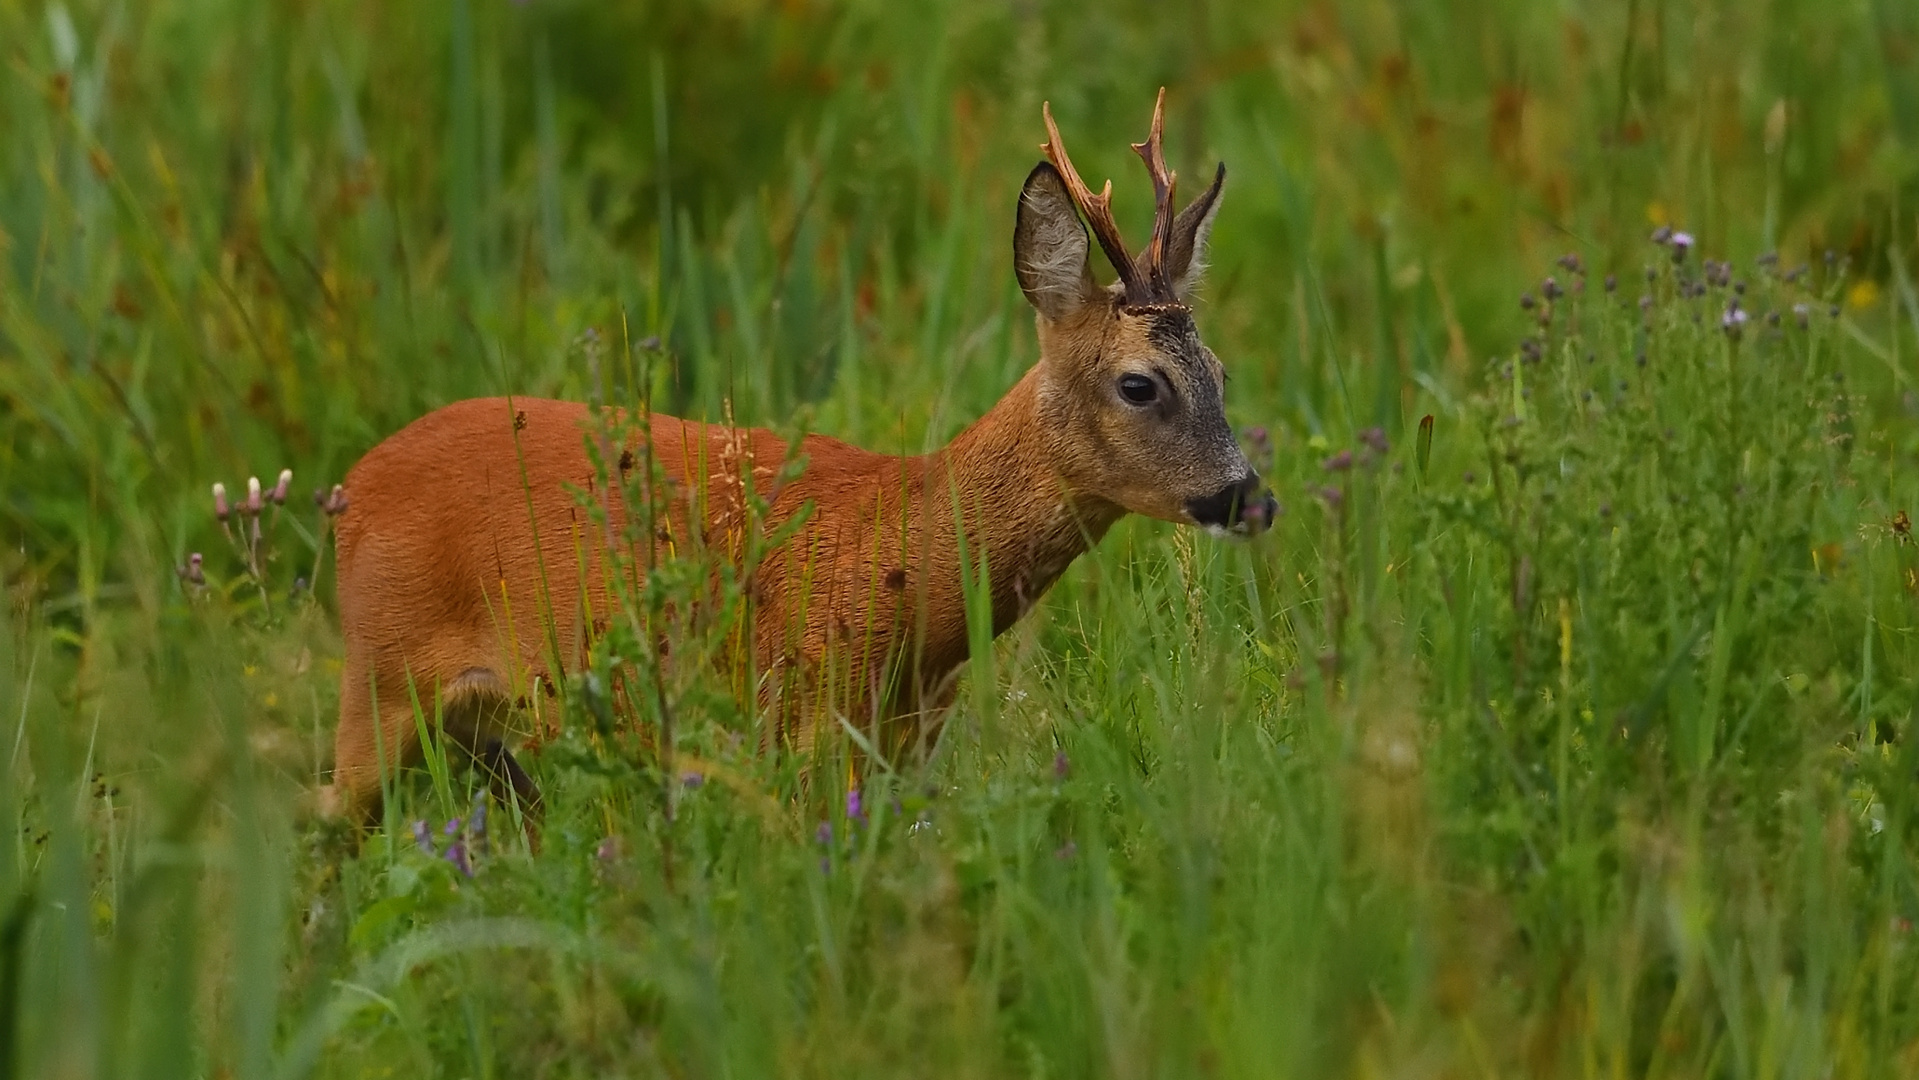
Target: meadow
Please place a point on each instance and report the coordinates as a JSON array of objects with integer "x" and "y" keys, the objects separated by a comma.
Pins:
[{"x": 1562, "y": 726}]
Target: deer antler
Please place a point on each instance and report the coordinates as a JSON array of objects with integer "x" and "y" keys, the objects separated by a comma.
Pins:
[
  {"x": 1098, "y": 210},
  {"x": 1153, "y": 154}
]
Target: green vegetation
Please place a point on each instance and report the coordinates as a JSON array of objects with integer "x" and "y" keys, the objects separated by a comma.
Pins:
[{"x": 1572, "y": 735}]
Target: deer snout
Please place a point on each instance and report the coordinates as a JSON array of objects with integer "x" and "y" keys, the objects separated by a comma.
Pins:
[{"x": 1243, "y": 506}]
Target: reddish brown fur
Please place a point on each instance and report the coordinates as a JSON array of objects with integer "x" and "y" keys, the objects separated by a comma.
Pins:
[{"x": 460, "y": 581}]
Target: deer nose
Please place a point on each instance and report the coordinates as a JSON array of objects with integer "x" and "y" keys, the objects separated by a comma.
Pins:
[{"x": 1243, "y": 506}]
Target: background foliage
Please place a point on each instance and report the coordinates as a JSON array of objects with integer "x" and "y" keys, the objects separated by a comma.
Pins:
[{"x": 1578, "y": 742}]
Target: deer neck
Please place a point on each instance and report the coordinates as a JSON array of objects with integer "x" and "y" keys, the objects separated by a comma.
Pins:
[{"x": 999, "y": 477}]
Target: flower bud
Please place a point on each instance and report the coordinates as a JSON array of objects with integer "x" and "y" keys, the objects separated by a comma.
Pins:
[
  {"x": 253, "y": 495},
  {"x": 280, "y": 489},
  {"x": 220, "y": 508}
]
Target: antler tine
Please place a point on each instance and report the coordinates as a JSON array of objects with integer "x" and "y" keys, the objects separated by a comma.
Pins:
[
  {"x": 1098, "y": 209},
  {"x": 1153, "y": 153}
]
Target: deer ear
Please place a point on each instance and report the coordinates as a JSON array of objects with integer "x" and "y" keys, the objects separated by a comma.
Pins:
[
  {"x": 1186, "y": 256},
  {"x": 1049, "y": 246}
]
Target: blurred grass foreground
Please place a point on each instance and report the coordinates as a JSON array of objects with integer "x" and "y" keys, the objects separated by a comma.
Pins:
[{"x": 1570, "y": 732}]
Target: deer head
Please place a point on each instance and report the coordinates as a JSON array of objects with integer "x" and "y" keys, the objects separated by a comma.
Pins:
[{"x": 1131, "y": 399}]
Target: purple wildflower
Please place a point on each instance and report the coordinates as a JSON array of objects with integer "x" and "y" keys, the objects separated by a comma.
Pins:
[
  {"x": 452, "y": 826},
  {"x": 1339, "y": 462},
  {"x": 279, "y": 495},
  {"x": 456, "y": 854},
  {"x": 824, "y": 834},
  {"x": 1733, "y": 321},
  {"x": 423, "y": 836},
  {"x": 692, "y": 779},
  {"x": 1375, "y": 438},
  {"x": 1332, "y": 497},
  {"x": 476, "y": 822},
  {"x": 1681, "y": 245},
  {"x": 855, "y": 807}
]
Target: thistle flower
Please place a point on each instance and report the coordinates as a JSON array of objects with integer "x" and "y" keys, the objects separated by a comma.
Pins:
[
  {"x": 332, "y": 505},
  {"x": 221, "y": 510},
  {"x": 1550, "y": 289},
  {"x": 1339, "y": 462},
  {"x": 1375, "y": 439},
  {"x": 1733, "y": 321},
  {"x": 1681, "y": 245},
  {"x": 279, "y": 495},
  {"x": 254, "y": 501}
]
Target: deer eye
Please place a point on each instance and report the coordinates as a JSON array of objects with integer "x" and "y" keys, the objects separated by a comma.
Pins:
[{"x": 1137, "y": 389}]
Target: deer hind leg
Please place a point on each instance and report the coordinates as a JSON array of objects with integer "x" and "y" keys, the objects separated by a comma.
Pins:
[
  {"x": 376, "y": 733},
  {"x": 475, "y": 708},
  {"x": 379, "y": 730}
]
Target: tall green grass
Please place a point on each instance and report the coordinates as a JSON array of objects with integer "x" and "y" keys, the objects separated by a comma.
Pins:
[{"x": 1570, "y": 736}]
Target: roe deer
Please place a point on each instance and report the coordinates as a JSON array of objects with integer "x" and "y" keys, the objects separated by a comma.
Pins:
[{"x": 467, "y": 513}]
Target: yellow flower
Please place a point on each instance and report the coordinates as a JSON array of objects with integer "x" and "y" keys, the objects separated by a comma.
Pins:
[{"x": 1863, "y": 294}]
